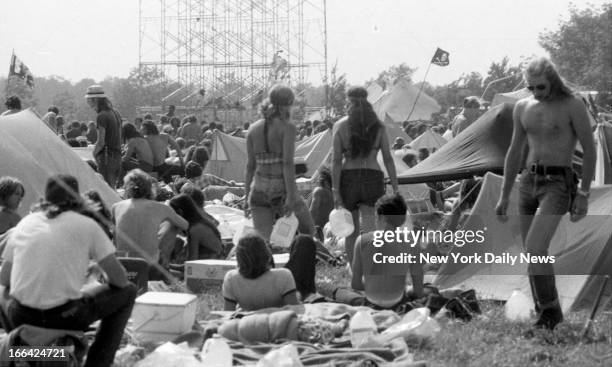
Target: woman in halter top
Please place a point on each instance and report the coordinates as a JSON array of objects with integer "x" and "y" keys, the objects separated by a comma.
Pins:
[
  {"x": 270, "y": 177},
  {"x": 357, "y": 180}
]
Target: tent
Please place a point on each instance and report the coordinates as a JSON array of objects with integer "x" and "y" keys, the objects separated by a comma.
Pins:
[
  {"x": 429, "y": 140},
  {"x": 397, "y": 103},
  {"x": 478, "y": 149},
  {"x": 228, "y": 158},
  {"x": 314, "y": 150},
  {"x": 374, "y": 92},
  {"x": 510, "y": 97},
  {"x": 582, "y": 250},
  {"x": 31, "y": 152}
]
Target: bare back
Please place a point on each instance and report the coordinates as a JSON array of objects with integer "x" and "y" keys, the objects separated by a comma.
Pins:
[
  {"x": 341, "y": 130},
  {"x": 276, "y": 132},
  {"x": 550, "y": 130}
]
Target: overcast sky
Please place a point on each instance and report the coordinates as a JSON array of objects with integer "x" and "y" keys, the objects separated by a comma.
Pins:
[{"x": 99, "y": 38}]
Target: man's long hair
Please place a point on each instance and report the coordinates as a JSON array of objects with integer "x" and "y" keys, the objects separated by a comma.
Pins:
[
  {"x": 363, "y": 123},
  {"x": 543, "y": 67},
  {"x": 61, "y": 195}
]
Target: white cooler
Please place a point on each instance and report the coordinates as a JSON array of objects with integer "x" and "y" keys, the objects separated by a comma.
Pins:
[{"x": 162, "y": 316}]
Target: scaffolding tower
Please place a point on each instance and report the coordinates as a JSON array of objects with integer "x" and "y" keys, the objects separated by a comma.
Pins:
[{"x": 228, "y": 52}]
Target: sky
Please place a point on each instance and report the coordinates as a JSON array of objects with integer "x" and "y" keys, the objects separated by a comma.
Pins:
[{"x": 78, "y": 39}]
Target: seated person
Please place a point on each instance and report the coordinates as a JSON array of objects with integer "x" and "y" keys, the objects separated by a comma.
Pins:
[
  {"x": 322, "y": 201},
  {"x": 45, "y": 263},
  {"x": 138, "y": 218},
  {"x": 198, "y": 198},
  {"x": 255, "y": 285},
  {"x": 384, "y": 283},
  {"x": 203, "y": 237},
  {"x": 11, "y": 194}
]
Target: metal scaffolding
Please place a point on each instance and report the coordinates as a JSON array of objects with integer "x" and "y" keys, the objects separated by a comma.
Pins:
[{"x": 226, "y": 53}]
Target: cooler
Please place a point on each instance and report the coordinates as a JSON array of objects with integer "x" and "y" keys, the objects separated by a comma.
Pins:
[
  {"x": 162, "y": 316},
  {"x": 202, "y": 274}
]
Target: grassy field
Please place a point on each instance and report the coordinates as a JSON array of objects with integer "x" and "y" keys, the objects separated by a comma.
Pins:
[{"x": 490, "y": 340}]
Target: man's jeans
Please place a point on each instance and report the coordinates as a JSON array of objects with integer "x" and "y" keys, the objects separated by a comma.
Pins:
[
  {"x": 110, "y": 304},
  {"x": 109, "y": 166},
  {"x": 543, "y": 201}
]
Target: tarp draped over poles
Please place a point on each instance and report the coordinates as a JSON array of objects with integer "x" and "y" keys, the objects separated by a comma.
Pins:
[
  {"x": 582, "y": 250},
  {"x": 31, "y": 152}
]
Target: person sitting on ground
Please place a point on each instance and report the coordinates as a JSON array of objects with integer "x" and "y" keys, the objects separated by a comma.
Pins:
[
  {"x": 159, "y": 146},
  {"x": 138, "y": 218},
  {"x": 138, "y": 152},
  {"x": 199, "y": 155},
  {"x": 322, "y": 201},
  {"x": 198, "y": 198},
  {"x": 191, "y": 129},
  {"x": 467, "y": 116},
  {"x": 45, "y": 263},
  {"x": 11, "y": 194},
  {"x": 384, "y": 283},
  {"x": 203, "y": 237},
  {"x": 255, "y": 284},
  {"x": 13, "y": 105},
  {"x": 75, "y": 130}
]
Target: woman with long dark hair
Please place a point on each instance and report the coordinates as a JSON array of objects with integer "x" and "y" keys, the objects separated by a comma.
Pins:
[
  {"x": 203, "y": 237},
  {"x": 357, "y": 180},
  {"x": 255, "y": 284}
]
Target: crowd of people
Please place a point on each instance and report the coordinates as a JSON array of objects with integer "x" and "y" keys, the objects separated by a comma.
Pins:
[{"x": 75, "y": 229}]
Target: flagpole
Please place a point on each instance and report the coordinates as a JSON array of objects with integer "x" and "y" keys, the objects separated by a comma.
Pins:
[{"x": 418, "y": 94}]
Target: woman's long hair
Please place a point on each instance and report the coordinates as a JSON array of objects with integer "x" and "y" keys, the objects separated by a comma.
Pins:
[
  {"x": 253, "y": 256},
  {"x": 279, "y": 98},
  {"x": 184, "y": 205},
  {"x": 363, "y": 123},
  {"x": 128, "y": 131}
]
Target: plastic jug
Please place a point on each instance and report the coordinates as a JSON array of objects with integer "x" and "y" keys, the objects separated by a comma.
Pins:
[
  {"x": 341, "y": 222},
  {"x": 216, "y": 353},
  {"x": 284, "y": 231},
  {"x": 362, "y": 328},
  {"x": 518, "y": 307},
  {"x": 244, "y": 227}
]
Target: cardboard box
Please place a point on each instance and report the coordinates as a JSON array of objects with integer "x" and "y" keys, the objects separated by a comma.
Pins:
[
  {"x": 203, "y": 274},
  {"x": 162, "y": 316}
]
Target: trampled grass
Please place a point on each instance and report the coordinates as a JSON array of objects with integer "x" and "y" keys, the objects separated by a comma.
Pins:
[{"x": 489, "y": 340}]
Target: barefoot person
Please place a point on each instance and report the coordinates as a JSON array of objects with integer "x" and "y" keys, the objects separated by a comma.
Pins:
[
  {"x": 357, "y": 180},
  {"x": 548, "y": 123}
]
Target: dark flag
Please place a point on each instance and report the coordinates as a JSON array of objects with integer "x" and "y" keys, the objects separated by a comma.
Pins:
[
  {"x": 440, "y": 58},
  {"x": 19, "y": 69}
]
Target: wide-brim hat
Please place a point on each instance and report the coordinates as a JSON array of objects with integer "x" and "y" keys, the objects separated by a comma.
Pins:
[{"x": 95, "y": 91}]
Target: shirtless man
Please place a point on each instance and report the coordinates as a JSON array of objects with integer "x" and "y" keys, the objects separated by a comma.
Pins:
[
  {"x": 159, "y": 145},
  {"x": 549, "y": 124},
  {"x": 384, "y": 283}
]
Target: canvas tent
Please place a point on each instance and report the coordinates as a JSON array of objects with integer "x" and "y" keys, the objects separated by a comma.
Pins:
[
  {"x": 429, "y": 140},
  {"x": 478, "y": 149},
  {"x": 583, "y": 249},
  {"x": 31, "y": 152},
  {"x": 228, "y": 158},
  {"x": 396, "y": 103}
]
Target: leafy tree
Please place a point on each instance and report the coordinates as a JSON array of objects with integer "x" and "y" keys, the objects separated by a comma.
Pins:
[
  {"x": 504, "y": 78},
  {"x": 17, "y": 86},
  {"x": 336, "y": 93},
  {"x": 582, "y": 48},
  {"x": 388, "y": 77},
  {"x": 453, "y": 93},
  {"x": 65, "y": 101}
]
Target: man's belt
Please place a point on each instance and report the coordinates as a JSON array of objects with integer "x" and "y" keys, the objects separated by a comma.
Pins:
[{"x": 542, "y": 170}]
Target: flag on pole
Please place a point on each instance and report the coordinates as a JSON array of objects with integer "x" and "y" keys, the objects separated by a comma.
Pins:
[
  {"x": 19, "y": 69},
  {"x": 440, "y": 58}
]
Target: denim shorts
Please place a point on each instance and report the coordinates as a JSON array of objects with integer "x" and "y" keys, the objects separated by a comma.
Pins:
[
  {"x": 268, "y": 192},
  {"x": 551, "y": 193},
  {"x": 361, "y": 186}
]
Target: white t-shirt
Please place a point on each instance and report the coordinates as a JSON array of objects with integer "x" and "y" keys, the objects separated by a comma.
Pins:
[{"x": 50, "y": 257}]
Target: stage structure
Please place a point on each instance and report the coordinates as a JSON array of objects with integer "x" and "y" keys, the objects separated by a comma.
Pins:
[{"x": 226, "y": 53}]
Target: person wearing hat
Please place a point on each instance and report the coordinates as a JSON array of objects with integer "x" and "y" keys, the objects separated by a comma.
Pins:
[
  {"x": 469, "y": 114},
  {"x": 107, "y": 151},
  {"x": 46, "y": 260}
]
